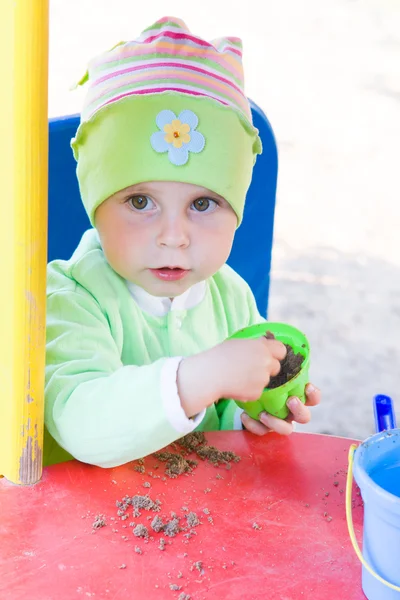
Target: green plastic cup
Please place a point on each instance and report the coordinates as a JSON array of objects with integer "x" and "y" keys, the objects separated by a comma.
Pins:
[{"x": 274, "y": 401}]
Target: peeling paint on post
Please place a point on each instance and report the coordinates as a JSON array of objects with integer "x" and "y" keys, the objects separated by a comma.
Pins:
[{"x": 30, "y": 462}]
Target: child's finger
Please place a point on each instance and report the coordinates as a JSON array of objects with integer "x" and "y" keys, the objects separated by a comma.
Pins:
[
  {"x": 275, "y": 424},
  {"x": 313, "y": 395},
  {"x": 277, "y": 349},
  {"x": 275, "y": 367},
  {"x": 299, "y": 412},
  {"x": 253, "y": 426}
]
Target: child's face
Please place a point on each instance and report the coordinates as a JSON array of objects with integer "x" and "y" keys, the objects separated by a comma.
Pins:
[{"x": 166, "y": 236}]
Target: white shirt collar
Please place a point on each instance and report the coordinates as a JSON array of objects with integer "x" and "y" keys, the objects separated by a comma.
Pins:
[{"x": 159, "y": 307}]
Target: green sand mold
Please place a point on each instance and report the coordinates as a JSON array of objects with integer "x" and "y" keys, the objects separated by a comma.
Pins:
[{"x": 274, "y": 401}]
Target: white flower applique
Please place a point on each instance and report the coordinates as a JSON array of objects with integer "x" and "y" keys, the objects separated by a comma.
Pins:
[{"x": 177, "y": 135}]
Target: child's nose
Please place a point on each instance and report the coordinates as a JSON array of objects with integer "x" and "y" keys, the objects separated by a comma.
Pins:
[{"x": 173, "y": 233}]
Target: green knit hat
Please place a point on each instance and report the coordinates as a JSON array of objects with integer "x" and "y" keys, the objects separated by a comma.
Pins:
[{"x": 166, "y": 107}]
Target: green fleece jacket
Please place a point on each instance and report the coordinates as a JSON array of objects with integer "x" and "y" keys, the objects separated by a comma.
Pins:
[{"x": 111, "y": 366}]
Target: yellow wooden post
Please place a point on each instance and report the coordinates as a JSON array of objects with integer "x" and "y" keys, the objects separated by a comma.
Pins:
[{"x": 23, "y": 234}]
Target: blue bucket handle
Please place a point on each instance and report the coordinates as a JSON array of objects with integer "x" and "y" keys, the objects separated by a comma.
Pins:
[{"x": 350, "y": 525}]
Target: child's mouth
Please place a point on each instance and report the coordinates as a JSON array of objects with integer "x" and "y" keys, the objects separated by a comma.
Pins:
[{"x": 169, "y": 273}]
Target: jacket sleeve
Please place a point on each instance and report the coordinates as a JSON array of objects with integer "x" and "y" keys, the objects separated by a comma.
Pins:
[
  {"x": 100, "y": 411},
  {"x": 228, "y": 411}
]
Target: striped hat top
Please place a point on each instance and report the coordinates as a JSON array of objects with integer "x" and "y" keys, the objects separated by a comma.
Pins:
[
  {"x": 168, "y": 106},
  {"x": 167, "y": 57}
]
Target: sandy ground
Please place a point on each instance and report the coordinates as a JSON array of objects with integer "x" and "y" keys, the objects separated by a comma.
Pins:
[{"x": 328, "y": 76}]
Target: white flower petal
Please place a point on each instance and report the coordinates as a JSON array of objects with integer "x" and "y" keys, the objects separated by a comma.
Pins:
[
  {"x": 197, "y": 142},
  {"x": 178, "y": 156},
  {"x": 164, "y": 117},
  {"x": 158, "y": 142},
  {"x": 188, "y": 116}
]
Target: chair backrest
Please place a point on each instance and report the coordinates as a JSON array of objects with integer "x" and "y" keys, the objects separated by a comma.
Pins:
[{"x": 251, "y": 253}]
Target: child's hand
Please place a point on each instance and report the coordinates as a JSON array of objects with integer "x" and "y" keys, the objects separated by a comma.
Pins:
[
  {"x": 238, "y": 369},
  {"x": 298, "y": 413}
]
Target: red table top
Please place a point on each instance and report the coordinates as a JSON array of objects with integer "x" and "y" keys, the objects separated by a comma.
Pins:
[{"x": 274, "y": 527}]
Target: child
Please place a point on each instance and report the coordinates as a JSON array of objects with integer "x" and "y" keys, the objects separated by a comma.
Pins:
[{"x": 138, "y": 317}]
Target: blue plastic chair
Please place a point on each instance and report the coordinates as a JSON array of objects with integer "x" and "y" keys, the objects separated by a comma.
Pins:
[{"x": 251, "y": 253}]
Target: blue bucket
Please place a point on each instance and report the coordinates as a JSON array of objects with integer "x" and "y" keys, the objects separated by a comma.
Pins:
[{"x": 377, "y": 473}]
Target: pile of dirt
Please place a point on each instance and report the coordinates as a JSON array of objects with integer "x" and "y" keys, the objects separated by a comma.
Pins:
[
  {"x": 290, "y": 365},
  {"x": 192, "y": 441},
  {"x": 143, "y": 502},
  {"x": 215, "y": 456},
  {"x": 99, "y": 522},
  {"x": 176, "y": 464},
  {"x": 192, "y": 519},
  {"x": 196, "y": 443},
  {"x": 157, "y": 524},
  {"x": 171, "y": 529},
  {"x": 141, "y": 531}
]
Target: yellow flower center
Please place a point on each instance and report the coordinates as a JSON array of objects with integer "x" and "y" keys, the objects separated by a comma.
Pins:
[{"x": 177, "y": 133}]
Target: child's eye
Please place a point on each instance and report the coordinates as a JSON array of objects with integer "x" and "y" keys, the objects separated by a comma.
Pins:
[
  {"x": 139, "y": 202},
  {"x": 204, "y": 205}
]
